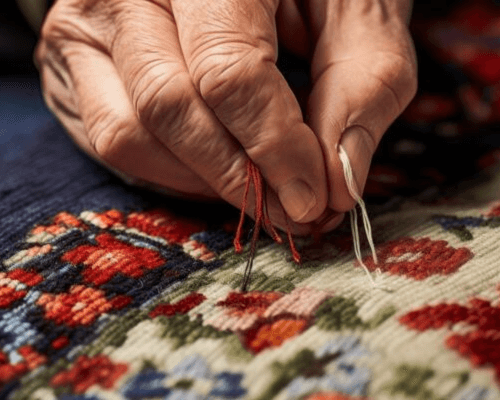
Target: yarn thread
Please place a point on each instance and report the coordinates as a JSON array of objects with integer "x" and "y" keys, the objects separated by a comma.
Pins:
[
  {"x": 262, "y": 220},
  {"x": 351, "y": 187},
  {"x": 261, "y": 217}
]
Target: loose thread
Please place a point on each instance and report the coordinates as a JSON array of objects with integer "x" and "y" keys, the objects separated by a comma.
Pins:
[
  {"x": 351, "y": 186},
  {"x": 261, "y": 217},
  {"x": 291, "y": 243},
  {"x": 267, "y": 221},
  {"x": 239, "y": 231}
]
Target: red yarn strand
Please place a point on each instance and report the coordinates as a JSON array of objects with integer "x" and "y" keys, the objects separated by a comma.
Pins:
[
  {"x": 239, "y": 231},
  {"x": 261, "y": 216},
  {"x": 291, "y": 243},
  {"x": 268, "y": 226}
]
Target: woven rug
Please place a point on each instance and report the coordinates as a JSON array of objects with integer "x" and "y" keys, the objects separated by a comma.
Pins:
[{"x": 112, "y": 292}]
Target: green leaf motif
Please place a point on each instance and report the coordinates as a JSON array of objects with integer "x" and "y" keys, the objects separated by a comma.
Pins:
[
  {"x": 303, "y": 363},
  {"x": 184, "y": 331},
  {"x": 462, "y": 233},
  {"x": 339, "y": 313},
  {"x": 412, "y": 382}
]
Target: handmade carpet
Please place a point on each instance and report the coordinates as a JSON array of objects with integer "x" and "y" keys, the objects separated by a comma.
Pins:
[{"x": 109, "y": 291}]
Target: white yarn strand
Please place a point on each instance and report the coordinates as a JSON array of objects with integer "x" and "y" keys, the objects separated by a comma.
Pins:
[
  {"x": 357, "y": 246},
  {"x": 351, "y": 186}
]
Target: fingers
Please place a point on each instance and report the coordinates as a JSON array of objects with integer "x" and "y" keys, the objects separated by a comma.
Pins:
[
  {"x": 130, "y": 81},
  {"x": 149, "y": 60},
  {"x": 230, "y": 51},
  {"x": 102, "y": 121},
  {"x": 364, "y": 75}
]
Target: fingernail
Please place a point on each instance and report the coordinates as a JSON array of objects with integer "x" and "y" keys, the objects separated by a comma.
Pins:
[
  {"x": 359, "y": 146},
  {"x": 297, "y": 198}
]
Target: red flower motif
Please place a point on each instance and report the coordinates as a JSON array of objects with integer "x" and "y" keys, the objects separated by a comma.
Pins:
[
  {"x": 85, "y": 372},
  {"x": 272, "y": 334},
  {"x": 13, "y": 285},
  {"x": 81, "y": 306},
  {"x": 157, "y": 223},
  {"x": 252, "y": 303},
  {"x": 481, "y": 345},
  {"x": 175, "y": 230},
  {"x": 267, "y": 319},
  {"x": 32, "y": 359},
  {"x": 9, "y": 372},
  {"x": 163, "y": 224},
  {"x": 107, "y": 219},
  {"x": 418, "y": 258},
  {"x": 181, "y": 307},
  {"x": 61, "y": 223},
  {"x": 112, "y": 256}
]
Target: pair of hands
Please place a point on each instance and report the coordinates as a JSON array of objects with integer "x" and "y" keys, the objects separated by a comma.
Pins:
[{"x": 181, "y": 94}]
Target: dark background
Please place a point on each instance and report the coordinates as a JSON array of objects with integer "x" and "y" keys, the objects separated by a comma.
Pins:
[{"x": 22, "y": 110}]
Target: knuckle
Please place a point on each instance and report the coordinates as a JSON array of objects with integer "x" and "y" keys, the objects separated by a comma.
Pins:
[
  {"x": 400, "y": 76},
  {"x": 164, "y": 102},
  {"x": 108, "y": 133},
  {"x": 230, "y": 78},
  {"x": 230, "y": 185},
  {"x": 264, "y": 146},
  {"x": 70, "y": 21},
  {"x": 51, "y": 30},
  {"x": 58, "y": 24}
]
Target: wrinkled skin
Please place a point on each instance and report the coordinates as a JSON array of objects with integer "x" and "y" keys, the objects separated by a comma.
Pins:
[{"x": 181, "y": 93}]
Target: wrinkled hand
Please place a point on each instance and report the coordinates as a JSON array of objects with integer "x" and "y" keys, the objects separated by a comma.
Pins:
[{"x": 181, "y": 93}]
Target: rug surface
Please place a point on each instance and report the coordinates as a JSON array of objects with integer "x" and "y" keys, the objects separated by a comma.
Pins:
[{"x": 110, "y": 292}]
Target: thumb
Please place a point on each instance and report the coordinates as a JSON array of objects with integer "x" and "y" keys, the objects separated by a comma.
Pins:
[{"x": 358, "y": 92}]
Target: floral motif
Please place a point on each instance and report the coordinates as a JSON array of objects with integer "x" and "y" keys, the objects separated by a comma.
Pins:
[
  {"x": 181, "y": 307},
  {"x": 160, "y": 225},
  {"x": 13, "y": 285},
  {"x": 77, "y": 269},
  {"x": 419, "y": 258},
  {"x": 81, "y": 306},
  {"x": 61, "y": 224},
  {"x": 155, "y": 223},
  {"x": 88, "y": 371},
  {"x": 190, "y": 379},
  {"x": 267, "y": 319},
  {"x": 9, "y": 371},
  {"x": 480, "y": 345},
  {"x": 112, "y": 256}
]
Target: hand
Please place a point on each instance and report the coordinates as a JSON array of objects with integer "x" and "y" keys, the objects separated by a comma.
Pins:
[
  {"x": 364, "y": 72},
  {"x": 181, "y": 94}
]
